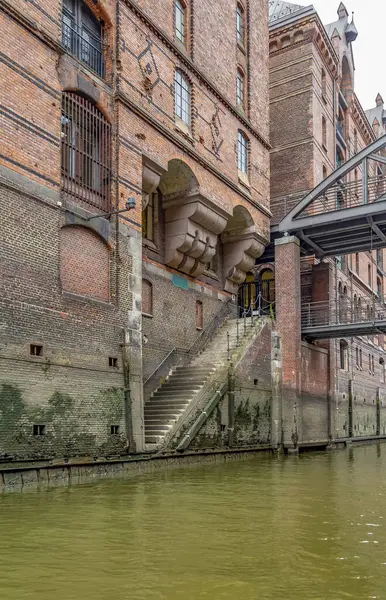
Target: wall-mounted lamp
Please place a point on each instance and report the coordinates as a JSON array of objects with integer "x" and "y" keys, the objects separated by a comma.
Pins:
[{"x": 131, "y": 203}]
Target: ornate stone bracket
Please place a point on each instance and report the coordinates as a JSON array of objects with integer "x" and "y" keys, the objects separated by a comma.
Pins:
[
  {"x": 193, "y": 224},
  {"x": 241, "y": 248}
]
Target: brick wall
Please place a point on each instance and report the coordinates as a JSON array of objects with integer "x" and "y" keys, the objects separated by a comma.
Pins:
[
  {"x": 74, "y": 286},
  {"x": 314, "y": 398}
]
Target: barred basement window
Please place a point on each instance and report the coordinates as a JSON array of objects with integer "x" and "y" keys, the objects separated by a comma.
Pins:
[
  {"x": 242, "y": 152},
  {"x": 86, "y": 152},
  {"x": 183, "y": 102},
  {"x": 39, "y": 430},
  {"x": 180, "y": 19},
  {"x": 114, "y": 429},
  {"x": 82, "y": 34},
  {"x": 113, "y": 362},
  {"x": 36, "y": 350}
]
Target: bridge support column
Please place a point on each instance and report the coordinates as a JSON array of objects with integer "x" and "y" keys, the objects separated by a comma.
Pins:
[{"x": 288, "y": 321}]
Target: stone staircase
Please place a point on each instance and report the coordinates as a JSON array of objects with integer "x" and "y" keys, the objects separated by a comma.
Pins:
[{"x": 186, "y": 385}]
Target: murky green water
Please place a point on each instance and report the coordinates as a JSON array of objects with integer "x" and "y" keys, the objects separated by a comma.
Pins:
[{"x": 294, "y": 529}]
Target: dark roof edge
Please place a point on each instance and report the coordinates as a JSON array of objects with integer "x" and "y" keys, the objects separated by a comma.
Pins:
[{"x": 293, "y": 17}]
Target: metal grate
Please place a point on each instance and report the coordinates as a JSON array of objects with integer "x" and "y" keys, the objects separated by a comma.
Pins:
[
  {"x": 83, "y": 44},
  {"x": 86, "y": 152}
]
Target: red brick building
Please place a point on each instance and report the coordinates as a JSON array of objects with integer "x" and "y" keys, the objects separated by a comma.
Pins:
[
  {"x": 317, "y": 123},
  {"x": 158, "y": 110}
]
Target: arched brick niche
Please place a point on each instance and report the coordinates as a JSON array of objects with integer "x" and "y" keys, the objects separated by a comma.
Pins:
[{"x": 84, "y": 263}]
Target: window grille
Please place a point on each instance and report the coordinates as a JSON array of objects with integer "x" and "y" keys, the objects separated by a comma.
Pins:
[
  {"x": 86, "y": 152},
  {"x": 182, "y": 97},
  {"x": 240, "y": 88},
  {"x": 180, "y": 13},
  {"x": 82, "y": 35},
  {"x": 240, "y": 25},
  {"x": 242, "y": 153}
]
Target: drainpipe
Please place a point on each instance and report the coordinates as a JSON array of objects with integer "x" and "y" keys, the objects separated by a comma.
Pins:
[
  {"x": 199, "y": 422},
  {"x": 231, "y": 405},
  {"x": 127, "y": 392}
]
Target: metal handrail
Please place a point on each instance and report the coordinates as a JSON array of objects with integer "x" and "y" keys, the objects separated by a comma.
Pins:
[{"x": 160, "y": 365}]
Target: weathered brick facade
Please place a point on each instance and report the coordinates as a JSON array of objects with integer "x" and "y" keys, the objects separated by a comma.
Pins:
[
  {"x": 71, "y": 366},
  {"x": 317, "y": 123}
]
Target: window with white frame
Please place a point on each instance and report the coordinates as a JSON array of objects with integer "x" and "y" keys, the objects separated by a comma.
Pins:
[
  {"x": 240, "y": 25},
  {"x": 182, "y": 91},
  {"x": 242, "y": 152},
  {"x": 180, "y": 18},
  {"x": 240, "y": 88}
]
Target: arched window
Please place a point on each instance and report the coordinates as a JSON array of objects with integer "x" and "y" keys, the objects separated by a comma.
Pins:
[
  {"x": 147, "y": 298},
  {"x": 379, "y": 287},
  {"x": 84, "y": 263},
  {"x": 343, "y": 347},
  {"x": 383, "y": 370},
  {"x": 357, "y": 357},
  {"x": 324, "y": 83},
  {"x": 199, "y": 315},
  {"x": 324, "y": 172},
  {"x": 360, "y": 359},
  {"x": 369, "y": 277},
  {"x": 268, "y": 286},
  {"x": 324, "y": 132},
  {"x": 82, "y": 34},
  {"x": 180, "y": 21},
  {"x": 240, "y": 89},
  {"x": 240, "y": 29},
  {"x": 242, "y": 152},
  {"x": 357, "y": 262},
  {"x": 86, "y": 155},
  {"x": 355, "y": 141},
  {"x": 182, "y": 97}
]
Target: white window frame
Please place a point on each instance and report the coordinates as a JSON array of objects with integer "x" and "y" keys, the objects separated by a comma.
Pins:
[
  {"x": 242, "y": 152},
  {"x": 182, "y": 97},
  {"x": 180, "y": 21},
  {"x": 240, "y": 25},
  {"x": 240, "y": 88}
]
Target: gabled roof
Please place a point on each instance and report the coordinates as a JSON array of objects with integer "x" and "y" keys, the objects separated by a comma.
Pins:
[{"x": 279, "y": 9}]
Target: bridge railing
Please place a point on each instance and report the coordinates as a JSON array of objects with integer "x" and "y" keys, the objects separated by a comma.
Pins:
[
  {"x": 349, "y": 194},
  {"x": 343, "y": 311}
]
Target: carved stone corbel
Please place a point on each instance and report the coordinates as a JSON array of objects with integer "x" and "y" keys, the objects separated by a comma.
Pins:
[
  {"x": 241, "y": 248},
  {"x": 192, "y": 226}
]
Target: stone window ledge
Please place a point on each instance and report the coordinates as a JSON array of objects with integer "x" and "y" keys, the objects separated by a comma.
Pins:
[{"x": 81, "y": 298}]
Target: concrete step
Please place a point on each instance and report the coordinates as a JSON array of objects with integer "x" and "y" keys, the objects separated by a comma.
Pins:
[
  {"x": 166, "y": 405},
  {"x": 153, "y": 421},
  {"x": 157, "y": 429},
  {"x": 166, "y": 413},
  {"x": 170, "y": 393},
  {"x": 181, "y": 387}
]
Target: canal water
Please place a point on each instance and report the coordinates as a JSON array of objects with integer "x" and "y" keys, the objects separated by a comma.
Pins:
[{"x": 303, "y": 528}]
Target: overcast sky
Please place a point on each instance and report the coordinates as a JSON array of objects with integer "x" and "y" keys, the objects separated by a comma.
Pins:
[{"x": 369, "y": 48}]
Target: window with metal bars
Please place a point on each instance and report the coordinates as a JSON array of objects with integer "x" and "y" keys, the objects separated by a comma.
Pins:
[
  {"x": 180, "y": 18},
  {"x": 182, "y": 91},
  {"x": 82, "y": 34},
  {"x": 240, "y": 88},
  {"x": 240, "y": 24},
  {"x": 243, "y": 152},
  {"x": 86, "y": 152}
]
